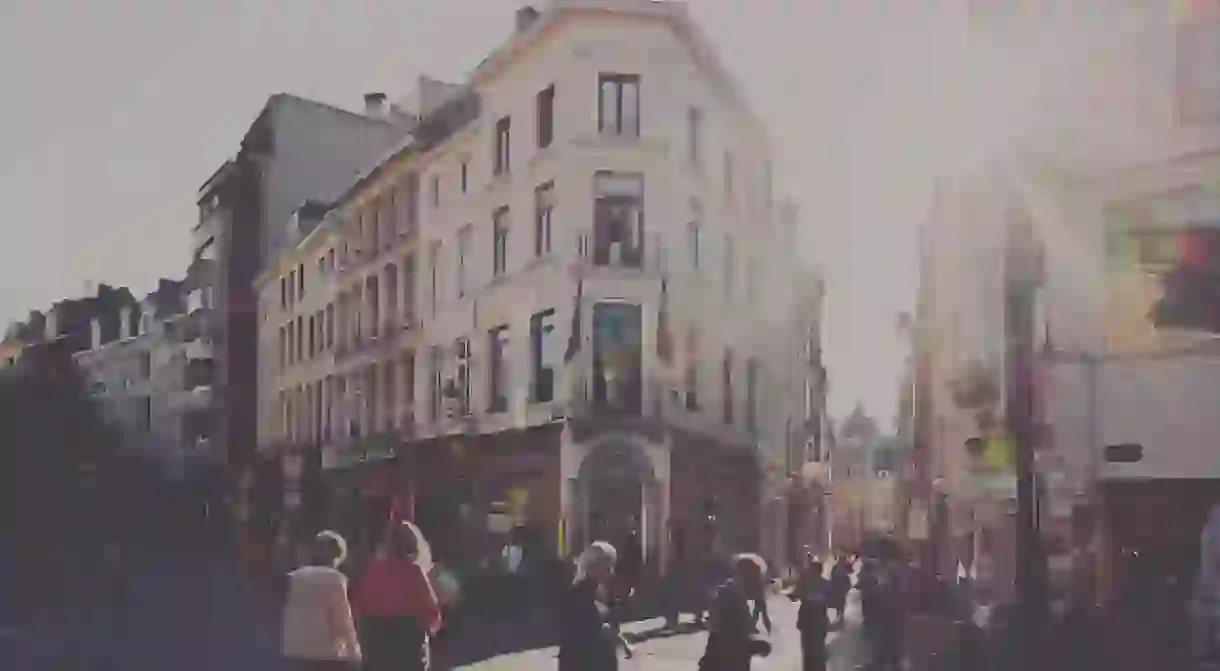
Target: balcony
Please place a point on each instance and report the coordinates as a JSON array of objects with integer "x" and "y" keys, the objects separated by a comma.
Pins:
[{"x": 619, "y": 258}]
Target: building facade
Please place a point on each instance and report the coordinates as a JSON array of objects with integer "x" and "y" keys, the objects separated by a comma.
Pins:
[
  {"x": 153, "y": 377},
  {"x": 538, "y": 299},
  {"x": 296, "y": 149},
  {"x": 1124, "y": 213}
]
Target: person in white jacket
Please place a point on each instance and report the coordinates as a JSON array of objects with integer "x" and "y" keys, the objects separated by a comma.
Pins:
[{"x": 319, "y": 633}]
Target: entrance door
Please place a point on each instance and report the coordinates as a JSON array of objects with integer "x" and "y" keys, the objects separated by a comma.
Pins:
[{"x": 619, "y": 495}]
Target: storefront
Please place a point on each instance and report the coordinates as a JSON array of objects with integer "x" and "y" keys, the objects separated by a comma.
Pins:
[{"x": 715, "y": 495}]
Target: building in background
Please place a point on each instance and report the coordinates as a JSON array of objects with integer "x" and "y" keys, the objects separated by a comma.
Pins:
[
  {"x": 152, "y": 378},
  {"x": 295, "y": 150},
  {"x": 809, "y": 456},
  {"x": 1125, "y": 212},
  {"x": 565, "y": 300}
]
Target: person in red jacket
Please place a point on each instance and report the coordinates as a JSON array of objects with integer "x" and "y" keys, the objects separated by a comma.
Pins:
[{"x": 396, "y": 603}]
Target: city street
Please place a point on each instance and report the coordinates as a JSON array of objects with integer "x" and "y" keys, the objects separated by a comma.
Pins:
[{"x": 680, "y": 652}]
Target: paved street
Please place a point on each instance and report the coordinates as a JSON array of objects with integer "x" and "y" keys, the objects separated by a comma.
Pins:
[{"x": 680, "y": 652}]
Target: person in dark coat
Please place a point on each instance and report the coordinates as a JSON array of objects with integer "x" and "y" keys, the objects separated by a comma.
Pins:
[
  {"x": 811, "y": 621},
  {"x": 732, "y": 640},
  {"x": 588, "y": 639},
  {"x": 840, "y": 585}
]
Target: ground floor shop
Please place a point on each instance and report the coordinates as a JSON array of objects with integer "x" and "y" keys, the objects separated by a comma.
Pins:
[
  {"x": 663, "y": 495},
  {"x": 1151, "y": 531}
]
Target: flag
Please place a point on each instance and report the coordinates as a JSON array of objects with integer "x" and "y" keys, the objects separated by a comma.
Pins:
[
  {"x": 575, "y": 335},
  {"x": 665, "y": 349}
]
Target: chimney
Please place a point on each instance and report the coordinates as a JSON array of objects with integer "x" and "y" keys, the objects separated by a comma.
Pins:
[
  {"x": 526, "y": 16},
  {"x": 374, "y": 104}
]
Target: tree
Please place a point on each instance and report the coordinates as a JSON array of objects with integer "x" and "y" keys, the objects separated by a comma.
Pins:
[{"x": 55, "y": 437}]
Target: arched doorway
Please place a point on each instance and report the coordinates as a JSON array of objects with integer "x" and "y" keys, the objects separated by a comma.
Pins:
[{"x": 618, "y": 493}]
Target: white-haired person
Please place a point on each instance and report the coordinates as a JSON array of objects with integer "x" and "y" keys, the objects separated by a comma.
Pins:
[
  {"x": 732, "y": 640},
  {"x": 318, "y": 630},
  {"x": 588, "y": 635}
]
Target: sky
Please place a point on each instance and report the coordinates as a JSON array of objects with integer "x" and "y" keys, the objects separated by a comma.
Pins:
[{"x": 117, "y": 112}]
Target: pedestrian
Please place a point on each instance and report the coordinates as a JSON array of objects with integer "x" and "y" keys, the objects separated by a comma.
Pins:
[
  {"x": 840, "y": 586},
  {"x": 398, "y": 608},
  {"x": 588, "y": 638},
  {"x": 318, "y": 630},
  {"x": 811, "y": 621},
  {"x": 733, "y": 640}
]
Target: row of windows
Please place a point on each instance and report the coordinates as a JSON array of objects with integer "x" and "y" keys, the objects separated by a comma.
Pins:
[{"x": 381, "y": 397}]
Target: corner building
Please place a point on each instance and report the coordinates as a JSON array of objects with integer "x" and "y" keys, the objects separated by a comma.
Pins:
[{"x": 564, "y": 304}]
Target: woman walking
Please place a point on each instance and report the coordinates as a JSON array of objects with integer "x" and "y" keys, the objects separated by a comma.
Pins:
[
  {"x": 812, "y": 622},
  {"x": 732, "y": 640},
  {"x": 318, "y": 631},
  {"x": 588, "y": 638},
  {"x": 398, "y": 608}
]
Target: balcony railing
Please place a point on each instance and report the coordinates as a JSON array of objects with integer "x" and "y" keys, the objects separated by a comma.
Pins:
[{"x": 647, "y": 257}]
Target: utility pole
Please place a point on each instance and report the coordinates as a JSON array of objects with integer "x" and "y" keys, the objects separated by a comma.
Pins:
[{"x": 1021, "y": 279}]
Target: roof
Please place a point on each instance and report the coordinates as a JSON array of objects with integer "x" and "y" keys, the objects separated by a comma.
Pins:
[{"x": 276, "y": 99}]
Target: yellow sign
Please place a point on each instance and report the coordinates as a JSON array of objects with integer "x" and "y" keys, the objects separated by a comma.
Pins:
[{"x": 518, "y": 501}]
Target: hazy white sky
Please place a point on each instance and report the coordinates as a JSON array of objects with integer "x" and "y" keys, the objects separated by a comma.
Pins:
[{"x": 116, "y": 112}]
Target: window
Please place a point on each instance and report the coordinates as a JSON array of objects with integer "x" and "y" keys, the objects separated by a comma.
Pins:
[
  {"x": 283, "y": 347},
  {"x": 374, "y": 241},
  {"x": 503, "y": 158},
  {"x": 694, "y": 133},
  {"x": 546, "y": 116},
  {"x": 499, "y": 242},
  {"x": 462, "y": 381},
  {"x": 727, "y": 379},
  {"x": 691, "y": 373},
  {"x": 408, "y": 290},
  {"x": 311, "y": 349},
  {"x": 145, "y": 365},
  {"x": 408, "y": 379},
  {"x": 390, "y": 282},
  {"x": 292, "y": 287},
  {"x": 728, "y": 176},
  {"x": 389, "y": 386},
  {"x": 435, "y": 382},
  {"x": 465, "y": 236},
  {"x": 322, "y": 266},
  {"x": 300, "y": 353},
  {"x": 411, "y": 202},
  {"x": 752, "y": 373},
  {"x": 330, "y": 326},
  {"x": 300, "y": 281},
  {"x": 497, "y": 371},
  {"x": 464, "y": 175},
  {"x": 694, "y": 231},
  {"x": 436, "y": 191},
  {"x": 434, "y": 261},
  {"x": 544, "y": 204},
  {"x": 617, "y": 357},
  {"x": 372, "y": 293},
  {"x": 618, "y": 220},
  {"x": 290, "y": 329},
  {"x": 618, "y": 105},
  {"x": 730, "y": 267},
  {"x": 542, "y": 385},
  {"x": 283, "y": 293},
  {"x": 386, "y": 215},
  {"x": 330, "y": 260}
]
